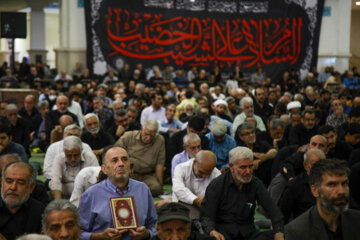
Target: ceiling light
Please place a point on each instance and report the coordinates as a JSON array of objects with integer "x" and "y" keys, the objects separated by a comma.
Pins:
[{"x": 357, "y": 3}]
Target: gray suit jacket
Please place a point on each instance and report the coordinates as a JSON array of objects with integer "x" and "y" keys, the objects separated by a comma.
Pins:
[{"x": 310, "y": 226}]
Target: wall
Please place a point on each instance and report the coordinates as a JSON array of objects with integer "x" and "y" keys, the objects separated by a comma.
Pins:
[
  {"x": 334, "y": 46},
  {"x": 355, "y": 38}
]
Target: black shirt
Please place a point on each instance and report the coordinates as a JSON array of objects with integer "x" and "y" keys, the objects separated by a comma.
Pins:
[
  {"x": 101, "y": 140},
  {"x": 300, "y": 135},
  {"x": 227, "y": 209},
  {"x": 297, "y": 197},
  {"x": 26, "y": 220}
]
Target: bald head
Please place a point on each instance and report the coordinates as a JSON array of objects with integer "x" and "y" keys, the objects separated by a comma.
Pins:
[
  {"x": 65, "y": 120},
  {"x": 204, "y": 163},
  {"x": 62, "y": 103}
]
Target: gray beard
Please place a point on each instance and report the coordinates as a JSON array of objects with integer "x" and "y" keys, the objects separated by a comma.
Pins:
[{"x": 16, "y": 203}]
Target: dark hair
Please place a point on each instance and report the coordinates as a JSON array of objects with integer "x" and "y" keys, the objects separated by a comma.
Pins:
[
  {"x": 323, "y": 166},
  {"x": 120, "y": 113},
  {"x": 355, "y": 112},
  {"x": 326, "y": 129},
  {"x": 304, "y": 112},
  {"x": 245, "y": 125},
  {"x": 275, "y": 122},
  {"x": 5, "y": 129},
  {"x": 188, "y": 94}
]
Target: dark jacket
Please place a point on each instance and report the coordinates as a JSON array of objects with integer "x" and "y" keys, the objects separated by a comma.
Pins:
[{"x": 310, "y": 226}]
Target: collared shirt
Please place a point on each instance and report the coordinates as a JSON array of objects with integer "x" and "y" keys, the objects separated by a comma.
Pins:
[
  {"x": 177, "y": 159},
  {"x": 54, "y": 150},
  {"x": 221, "y": 150},
  {"x": 150, "y": 113},
  {"x": 106, "y": 115},
  {"x": 144, "y": 156},
  {"x": 83, "y": 180},
  {"x": 13, "y": 147},
  {"x": 26, "y": 220},
  {"x": 239, "y": 119},
  {"x": 95, "y": 212},
  {"x": 227, "y": 209},
  {"x": 63, "y": 174},
  {"x": 186, "y": 186},
  {"x": 175, "y": 124}
]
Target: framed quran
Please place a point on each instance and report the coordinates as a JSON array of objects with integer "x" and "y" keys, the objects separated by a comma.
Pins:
[{"x": 123, "y": 211}]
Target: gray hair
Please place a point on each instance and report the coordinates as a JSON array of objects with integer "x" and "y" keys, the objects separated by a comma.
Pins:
[
  {"x": 274, "y": 123},
  {"x": 240, "y": 153},
  {"x": 170, "y": 105},
  {"x": 89, "y": 115},
  {"x": 191, "y": 137},
  {"x": 72, "y": 142},
  {"x": 151, "y": 125},
  {"x": 117, "y": 102},
  {"x": 189, "y": 104},
  {"x": 33, "y": 173},
  {"x": 285, "y": 118},
  {"x": 200, "y": 158},
  {"x": 317, "y": 152},
  {"x": 140, "y": 85},
  {"x": 98, "y": 98},
  {"x": 34, "y": 236},
  {"x": 218, "y": 128},
  {"x": 59, "y": 205},
  {"x": 11, "y": 106},
  {"x": 245, "y": 125},
  {"x": 72, "y": 127},
  {"x": 245, "y": 100},
  {"x": 43, "y": 103}
]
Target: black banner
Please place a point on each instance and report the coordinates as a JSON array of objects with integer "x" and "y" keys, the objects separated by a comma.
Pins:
[{"x": 274, "y": 34}]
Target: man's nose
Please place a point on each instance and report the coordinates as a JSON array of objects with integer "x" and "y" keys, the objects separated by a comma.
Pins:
[{"x": 64, "y": 233}]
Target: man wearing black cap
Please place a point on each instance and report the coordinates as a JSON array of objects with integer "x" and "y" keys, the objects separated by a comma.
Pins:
[
  {"x": 174, "y": 223},
  {"x": 195, "y": 125}
]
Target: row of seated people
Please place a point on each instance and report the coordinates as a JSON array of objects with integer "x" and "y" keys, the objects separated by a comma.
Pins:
[{"x": 225, "y": 210}]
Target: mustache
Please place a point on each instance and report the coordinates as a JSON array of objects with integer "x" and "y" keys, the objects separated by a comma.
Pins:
[
  {"x": 11, "y": 193},
  {"x": 341, "y": 198}
]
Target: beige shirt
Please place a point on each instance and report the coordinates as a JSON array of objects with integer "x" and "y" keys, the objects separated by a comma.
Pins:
[
  {"x": 144, "y": 156},
  {"x": 63, "y": 175}
]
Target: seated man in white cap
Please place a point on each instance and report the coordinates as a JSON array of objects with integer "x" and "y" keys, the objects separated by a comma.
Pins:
[
  {"x": 221, "y": 109},
  {"x": 294, "y": 106}
]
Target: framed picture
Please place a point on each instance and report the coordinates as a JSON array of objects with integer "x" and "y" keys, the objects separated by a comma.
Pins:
[{"x": 123, "y": 211}]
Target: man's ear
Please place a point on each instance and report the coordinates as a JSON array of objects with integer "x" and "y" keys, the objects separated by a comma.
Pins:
[
  {"x": 103, "y": 169},
  {"x": 32, "y": 187},
  {"x": 314, "y": 191},
  {"x": 184, "y": 147}
]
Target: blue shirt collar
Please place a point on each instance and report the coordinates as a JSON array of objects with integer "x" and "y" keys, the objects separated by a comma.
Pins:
[{"x": 113, "y": 188}]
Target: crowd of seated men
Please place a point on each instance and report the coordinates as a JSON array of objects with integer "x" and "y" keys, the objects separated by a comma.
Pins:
[{"x": 226, "y": 141}]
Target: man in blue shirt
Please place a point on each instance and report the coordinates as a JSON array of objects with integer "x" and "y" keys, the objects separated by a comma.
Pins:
[
  {"x": 95, "y": 213},
  {"x": 220, "y": 143}
]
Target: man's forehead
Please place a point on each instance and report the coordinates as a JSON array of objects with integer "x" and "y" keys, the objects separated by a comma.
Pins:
[
  {"x": 116, "y": 152},
  {"x": 17, "y": 170},
  {"x": 195, "y": 142},
  {"x": 57, "y": 216},
  {"x": 334, "y": 176}
]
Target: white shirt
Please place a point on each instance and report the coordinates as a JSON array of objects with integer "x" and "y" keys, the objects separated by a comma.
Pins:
[
  {"x": 63, "y": 174},
  {"x": 54, "y": 150},
  {"x": 85, "y": 179},
  {"x": 150, "y": 113},
  {"x": 186, "y": 186},
  {"x": 240, "y": 118}
]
